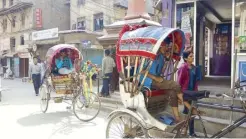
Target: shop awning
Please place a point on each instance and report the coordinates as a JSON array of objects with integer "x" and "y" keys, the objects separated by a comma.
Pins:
[{"x": 9, "y": 54}]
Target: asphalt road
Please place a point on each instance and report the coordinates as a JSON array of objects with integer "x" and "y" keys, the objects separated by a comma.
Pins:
[{"x": 21, "y": 118}]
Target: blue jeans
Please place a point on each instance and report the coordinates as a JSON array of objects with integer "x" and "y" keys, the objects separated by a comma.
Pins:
[
  {"x": 106, "y": 81},
  {"x": 191, "y": 122},
  {"x": 36, "y": 79}
]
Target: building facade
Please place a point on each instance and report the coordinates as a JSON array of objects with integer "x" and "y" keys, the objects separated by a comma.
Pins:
[{"x": 19, "y": 18}]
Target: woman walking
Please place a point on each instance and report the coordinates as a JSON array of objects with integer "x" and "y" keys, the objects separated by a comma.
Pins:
[{"x": 188, "y": 78}]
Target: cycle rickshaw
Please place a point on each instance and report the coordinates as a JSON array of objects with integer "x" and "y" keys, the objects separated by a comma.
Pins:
[
  {"x": 146, "y": 112},
  {"x": 76, "y": 86}
]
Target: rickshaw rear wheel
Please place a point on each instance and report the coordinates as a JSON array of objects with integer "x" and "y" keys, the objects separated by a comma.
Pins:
[
  {"x": 129, "y": 128},
  {"x": 45, "y": 97},
  {"x": 90, "y": 104}
]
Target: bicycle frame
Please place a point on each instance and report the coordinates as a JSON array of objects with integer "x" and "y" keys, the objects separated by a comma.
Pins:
[{"x": 225, "y": 130}]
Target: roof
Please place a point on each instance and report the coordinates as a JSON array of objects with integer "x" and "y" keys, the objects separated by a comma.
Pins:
[
  {"x": 80, "y": 31},
  {"x": 133, "y": 21}
]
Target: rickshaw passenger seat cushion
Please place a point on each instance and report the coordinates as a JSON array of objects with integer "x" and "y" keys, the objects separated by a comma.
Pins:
[
  {"x": 195, "y": 95},
  {"x": 153, "y": 93}
]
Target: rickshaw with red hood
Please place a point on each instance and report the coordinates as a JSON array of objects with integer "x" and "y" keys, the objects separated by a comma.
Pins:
[{"x": 66, "y": 79}]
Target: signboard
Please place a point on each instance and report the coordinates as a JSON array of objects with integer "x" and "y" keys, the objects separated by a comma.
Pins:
[
  {"x": 86, "y": 43},
  {"x": 45, "y": 34},
  {"x": 242, "y": 70},
  {"x": 4, "y": 44},
  {"x": 22, "y": 48},
  {"x": 185, "y": 23},
  {"x": 23, "y": 55},
  {"x": 38, "y": 13}
]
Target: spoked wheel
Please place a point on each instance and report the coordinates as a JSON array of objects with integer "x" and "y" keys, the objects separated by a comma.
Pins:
[
  {"x": 123, "y": 125},
  {"x": 86, "y": 106},
  {"x": 45, "y": 97}
]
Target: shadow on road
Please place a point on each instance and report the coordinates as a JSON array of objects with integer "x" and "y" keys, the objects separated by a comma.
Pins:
[{"x": 36, "y": 119}]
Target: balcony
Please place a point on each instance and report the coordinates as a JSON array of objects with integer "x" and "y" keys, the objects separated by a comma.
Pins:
[{"x": 15, "y": 8}]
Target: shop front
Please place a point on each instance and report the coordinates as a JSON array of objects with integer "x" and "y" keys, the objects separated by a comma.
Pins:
[
  {"x": 213, "y": 29},
  {"x": 239, "y": 25}
]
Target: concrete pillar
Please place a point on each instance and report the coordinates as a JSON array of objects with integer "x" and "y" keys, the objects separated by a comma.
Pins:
[{"x": 136, "y": 9}]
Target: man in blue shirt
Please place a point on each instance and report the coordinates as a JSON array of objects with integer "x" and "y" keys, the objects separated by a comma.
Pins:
[
  {"x": 64, "y": 63},
  {"x": 155, "y": 81}
]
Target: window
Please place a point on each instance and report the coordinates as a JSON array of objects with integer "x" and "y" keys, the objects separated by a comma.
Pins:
[
  {"x": 81, "y": 23},
  {"x": 80, "y": 2},
  {"x": 11, "y": 2},
  {"x": 4, "y": 3},
  {"x": 98, "y": 22},
  {"x": 12, "y": 44},
  {"x": 23, "y": 19},
  {"x": 13, "y": 21},
  {"x": 5, "y": 24},
  {"x": 240, "y": 27},
  {"x": 22, "y": 41}
]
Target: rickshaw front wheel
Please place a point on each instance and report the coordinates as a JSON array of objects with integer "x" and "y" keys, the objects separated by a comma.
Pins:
[
  {"x": 45, "y": 97},
  {"x": 124, "y": 125},
  {"x": 87, "y": 106}
]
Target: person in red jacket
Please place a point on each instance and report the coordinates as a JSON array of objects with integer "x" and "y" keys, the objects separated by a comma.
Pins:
[{"x": 188, "y": 80}]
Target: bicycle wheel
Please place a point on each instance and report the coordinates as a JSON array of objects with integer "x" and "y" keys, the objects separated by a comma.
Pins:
[
  {"x": 86, "y": 107},
  {"x": 45, "y": 97},
  {"x": 124, "y": 125}
]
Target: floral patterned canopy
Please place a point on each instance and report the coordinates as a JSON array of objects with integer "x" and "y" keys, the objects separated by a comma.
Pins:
[{"x": 146, "y": 41}]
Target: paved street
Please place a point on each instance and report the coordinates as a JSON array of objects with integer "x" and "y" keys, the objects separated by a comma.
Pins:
[{"x": 20, "y": 117}]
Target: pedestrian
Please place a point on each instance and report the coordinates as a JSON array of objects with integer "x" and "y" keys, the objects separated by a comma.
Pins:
[
  {"x": 35, "y": 73},
  {"x": 188, "y": 79},
  {"x": 108, "y": 65}
]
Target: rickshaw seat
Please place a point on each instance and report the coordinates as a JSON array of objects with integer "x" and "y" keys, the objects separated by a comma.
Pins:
[
  {"x": 195, "y": 95},
  {"x": 154, "y": 93}
]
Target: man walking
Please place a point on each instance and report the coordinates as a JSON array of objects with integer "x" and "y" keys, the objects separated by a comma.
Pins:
[
  {"x": 108, "y": 65},
  {"x": 35, "y": 73}
]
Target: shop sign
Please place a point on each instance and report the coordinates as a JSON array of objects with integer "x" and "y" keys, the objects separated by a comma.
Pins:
[
  {"x": 86, "y": 43},
  {"x": 45, "y": 34},
  {"x": 242, "y": 70},
  {"x": 38, "y": 13},
  {"x": 4, "y": 44},
  {"x": 23, "y": 55},
  {"x": 22, "y": 48}
]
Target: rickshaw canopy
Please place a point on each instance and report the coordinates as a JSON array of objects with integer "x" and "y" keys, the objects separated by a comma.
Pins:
[
  {"x": 54, "y": 52},
  {"x": 146, "y": 41}
]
